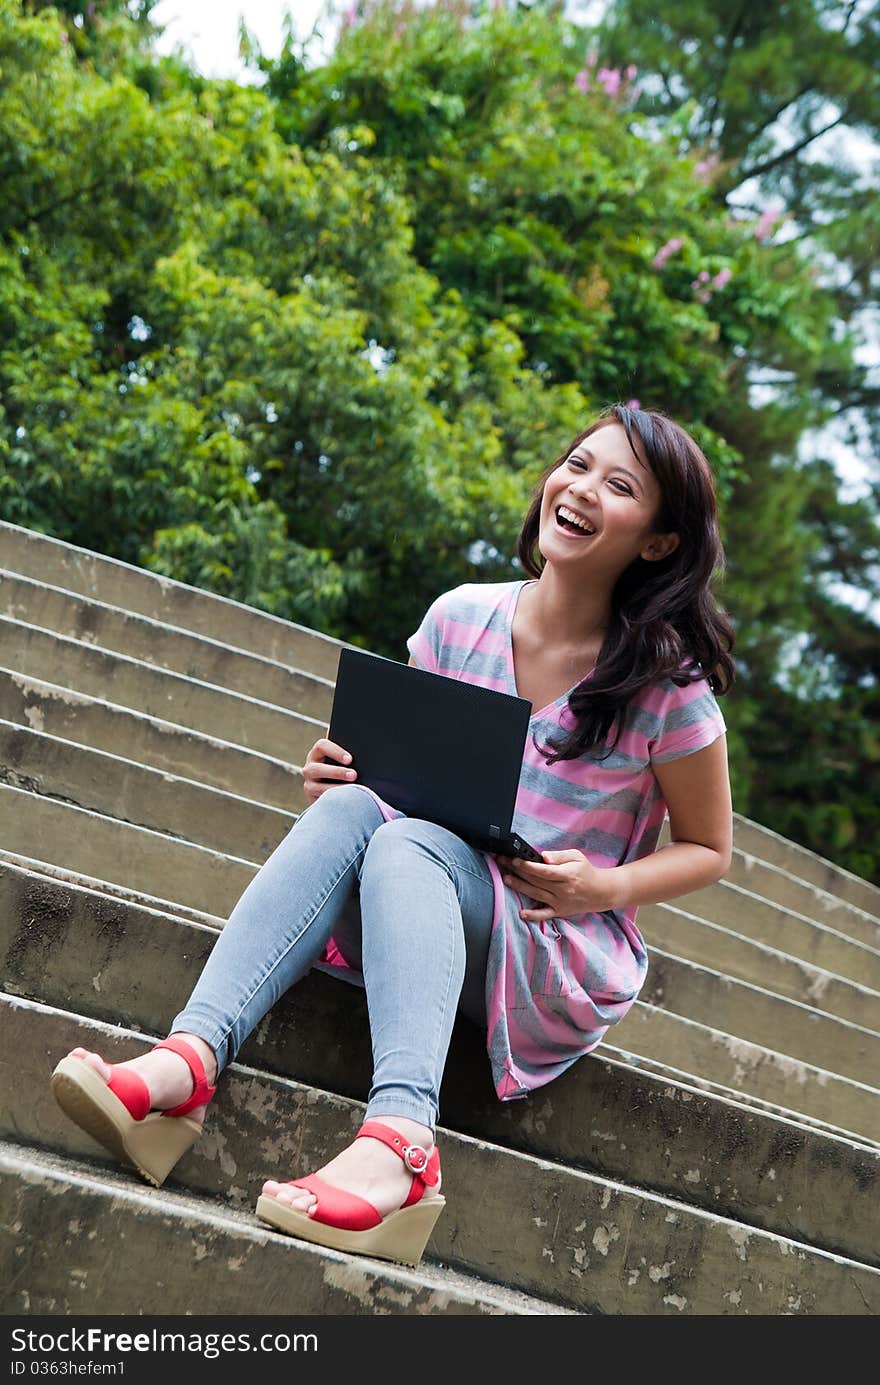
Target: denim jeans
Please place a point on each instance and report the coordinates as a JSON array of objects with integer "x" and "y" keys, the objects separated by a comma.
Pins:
[{"x": 409, "y": 903}]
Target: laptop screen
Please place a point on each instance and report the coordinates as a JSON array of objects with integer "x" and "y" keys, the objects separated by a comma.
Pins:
[{"x": 432, "y": 746}]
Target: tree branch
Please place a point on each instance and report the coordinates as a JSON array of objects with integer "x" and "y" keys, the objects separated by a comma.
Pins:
[
  {"x": 789, "y": 153},
  {"x": 725, "y": 63}
]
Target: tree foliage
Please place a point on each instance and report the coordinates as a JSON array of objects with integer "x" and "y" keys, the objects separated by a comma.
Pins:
[{"x": 309, "y": 345}]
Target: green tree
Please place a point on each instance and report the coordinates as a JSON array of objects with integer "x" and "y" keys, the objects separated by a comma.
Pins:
[
  {"x": 311, "y": 345},
  {"x": 773, "y": 100}
]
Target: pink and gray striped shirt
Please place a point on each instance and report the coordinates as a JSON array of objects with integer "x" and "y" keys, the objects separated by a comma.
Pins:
[{"x": 553, "y": 988}]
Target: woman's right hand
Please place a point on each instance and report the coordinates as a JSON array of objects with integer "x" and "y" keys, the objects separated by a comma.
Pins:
[{"x": 319, "y": 776}]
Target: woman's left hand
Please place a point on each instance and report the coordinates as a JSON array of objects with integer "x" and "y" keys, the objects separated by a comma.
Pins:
[{"x": 566, "y": 884}]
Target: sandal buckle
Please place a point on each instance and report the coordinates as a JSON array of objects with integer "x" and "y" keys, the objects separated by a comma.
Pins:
[{"x": 416, "y": 1158}]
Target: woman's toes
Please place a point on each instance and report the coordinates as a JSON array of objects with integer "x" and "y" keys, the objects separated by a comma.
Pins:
[
  {"x": 94, "y": 1060},
  {"x": 298, "y": 1198}
]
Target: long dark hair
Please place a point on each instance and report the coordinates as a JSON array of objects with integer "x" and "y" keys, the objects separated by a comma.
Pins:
[{"x": 665, "y": 622}]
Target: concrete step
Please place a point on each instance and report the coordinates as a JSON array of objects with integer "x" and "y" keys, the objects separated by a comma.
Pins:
[
  {"x": 132, "y": 589},
  {"x": 152, "y": 741},
  {"x": 769, "y": 846},
  {"x": 213, "y": 881},
  {"x": 770, "y": 882},
  {"x": 135, "y": 589},
  {"x": 160, "y": 645},
  {"x": 539, "y": 1227},
  {"x": 205, "y": 707},
  {"x": 164, "y": 867},
  {"x": 695, "y": 940},
  {"x": 78, "y": 950},
  {"x": 195, "y": 1253},
  {"x": 791, "y": 1084},
  {"x": 119, "y": 788},
  {"x": 182, "y": 808},
  {"x": 752, "y": 1012},
  {"x": 751, "y": 916}
]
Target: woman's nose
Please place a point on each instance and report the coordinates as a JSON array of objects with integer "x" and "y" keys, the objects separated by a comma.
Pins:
[{"x": 585, "y": 486}]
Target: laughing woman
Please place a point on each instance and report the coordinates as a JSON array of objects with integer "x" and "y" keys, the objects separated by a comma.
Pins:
[{"x": 616, "y": 640}]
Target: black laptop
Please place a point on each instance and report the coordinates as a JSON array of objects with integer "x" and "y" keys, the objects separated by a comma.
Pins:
[{"x": 434, "y": 747}]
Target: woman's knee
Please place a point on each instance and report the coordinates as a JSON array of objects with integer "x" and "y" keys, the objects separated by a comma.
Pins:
[
  {"x": 404, "y": 840},
  {"x": 349, "y": 802}
]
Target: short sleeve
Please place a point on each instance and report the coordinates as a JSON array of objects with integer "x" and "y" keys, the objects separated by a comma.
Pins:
[
  {"x": 692, "y": 720},
  {"x": 426, "y": 643}
]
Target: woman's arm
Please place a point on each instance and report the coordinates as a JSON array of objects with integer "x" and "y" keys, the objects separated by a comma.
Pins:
[{"x": 697, "y": 792}]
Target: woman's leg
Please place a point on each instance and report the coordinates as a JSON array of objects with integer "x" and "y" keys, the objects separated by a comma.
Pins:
[
  {"x": 276, "y": 932},
  {"x": 426, "y": 909}
]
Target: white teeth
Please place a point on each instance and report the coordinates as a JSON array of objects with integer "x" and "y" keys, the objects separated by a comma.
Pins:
[{"x": 575, "y": 519}]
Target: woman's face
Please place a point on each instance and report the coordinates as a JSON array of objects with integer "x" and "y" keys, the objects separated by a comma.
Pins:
[{"x": 616, "y": 499}]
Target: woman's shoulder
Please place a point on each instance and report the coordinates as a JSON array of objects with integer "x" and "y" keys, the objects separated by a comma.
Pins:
[
  {"x": 679, "y": 713},
  {"x": 683, "y": 696},
  {"x": 471, "y": 599}
]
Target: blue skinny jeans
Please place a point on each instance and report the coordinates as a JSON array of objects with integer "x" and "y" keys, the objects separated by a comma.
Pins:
[{"x": 410, "y": 905}]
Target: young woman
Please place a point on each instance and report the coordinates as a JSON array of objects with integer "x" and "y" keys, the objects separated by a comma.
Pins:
[{"x": 617, "y": 642}]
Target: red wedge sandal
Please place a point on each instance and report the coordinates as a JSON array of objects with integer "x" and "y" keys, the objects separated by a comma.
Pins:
[
  {"x": 344, "y": 1221},
  {"x": 117, "y": 1113}
]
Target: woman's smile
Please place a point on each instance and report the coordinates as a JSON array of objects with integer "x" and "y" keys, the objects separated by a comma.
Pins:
[{"x": 573, "y": 524}]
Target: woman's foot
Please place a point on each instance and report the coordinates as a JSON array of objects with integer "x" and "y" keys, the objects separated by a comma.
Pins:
[
  {"x": 368, "y": 1168},
  {"x": 167, "y": 1075}
]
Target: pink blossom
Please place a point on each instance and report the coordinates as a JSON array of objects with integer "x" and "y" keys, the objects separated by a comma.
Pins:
[
  {"x": 666, "y": 250},
  {"x": 610, "y": 79},
  {"x": 582, "y": 80},
  {"x": 633, "y": 404},
  {"x": 721, "y": 278},
  {"x": 765, "y": 224},
  {"x": 706, "y": 167},
  {"x": 631, "y": 72}
]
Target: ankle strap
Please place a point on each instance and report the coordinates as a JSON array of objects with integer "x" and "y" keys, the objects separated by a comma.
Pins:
[
  {"x": 423, "y": 1166},
  {"x": 202, "y": 1091}
]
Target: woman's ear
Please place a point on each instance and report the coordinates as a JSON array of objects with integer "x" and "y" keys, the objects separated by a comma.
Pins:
[{"x": 660, "y": 546}]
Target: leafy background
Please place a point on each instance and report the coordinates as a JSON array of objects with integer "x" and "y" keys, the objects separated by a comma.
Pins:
[{"x": 308, "y": 341}]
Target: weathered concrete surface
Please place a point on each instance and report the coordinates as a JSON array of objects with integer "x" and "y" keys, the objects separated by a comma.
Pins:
[
  {"x": 788, "y": 1082},
  {"x": 129, "y": 792},
  {"x": 59, "y": 877},
  {"x": 783, "y": 888},
  {"x": 182, "y": 1254},
  {"x": 162, "y": 745},
  {"x": 74, "y": 949},
  {"x": 662, "y": 1041},
  {"x": 211, "y": 881},
  {"x": 754, "y": 1013},
  {"x": 671, "y": 1039},
  {"x": 132, "y": 793},
  {"x": 161, "y": 866},
  {"x": 536, "y": 1225},
  {"x": 806, "y": 865},
  {"x": 161, "y": 645},
  {"x": 161, "y": 598},
  {"x": 134, "y": 589},
  {"x": 748, "y": 914},
  {"x": 231, "y": 716},
  {"x": 696, "y": 940}
]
